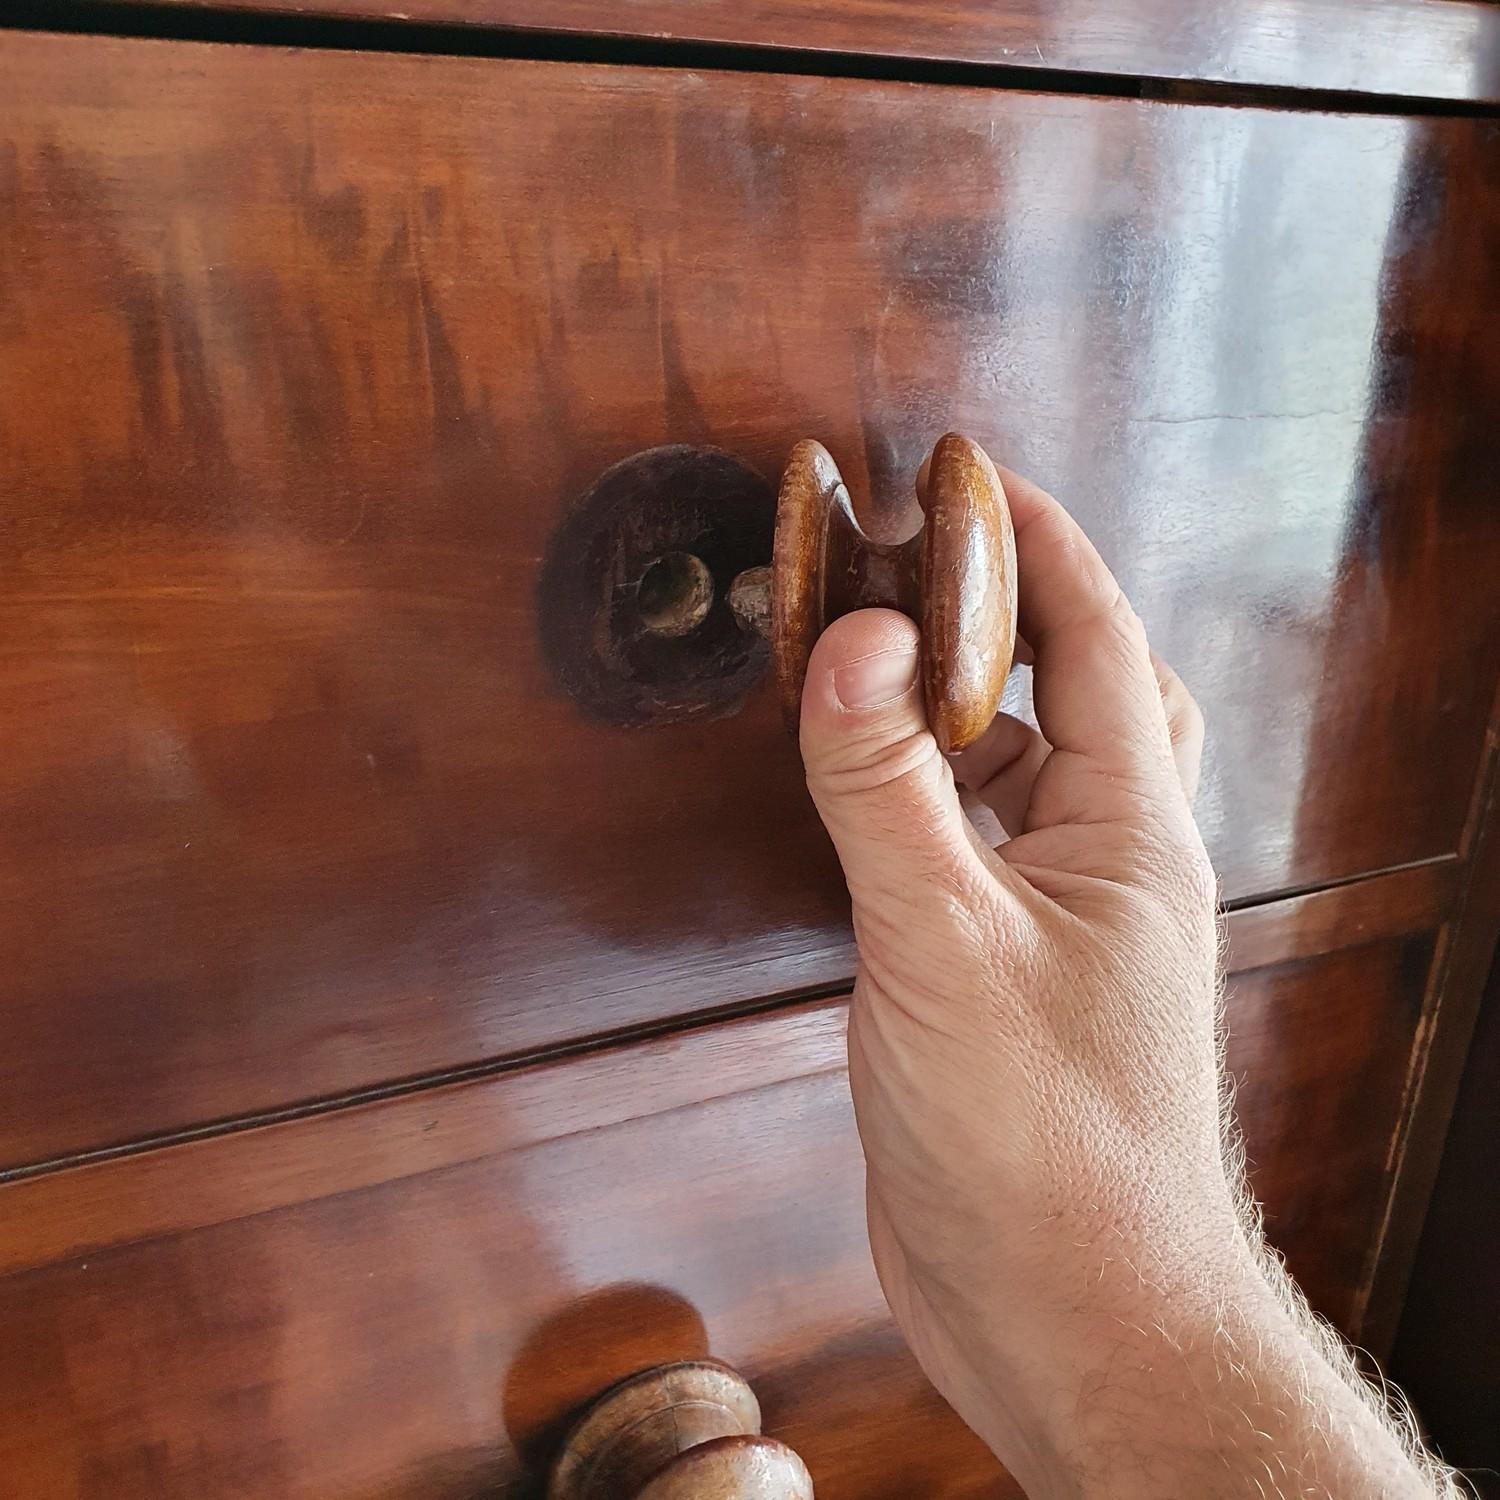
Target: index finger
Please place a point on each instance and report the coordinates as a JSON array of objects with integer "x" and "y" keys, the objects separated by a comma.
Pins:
[{"x": 1095, "y": 689}]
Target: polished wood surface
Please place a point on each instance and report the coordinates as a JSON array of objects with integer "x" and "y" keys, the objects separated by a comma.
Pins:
[
  {"x": 1417, "y": 48},
  {"x": 217, "y": 1179},
  {"x": 1456, "y": 1005},
  {"x": 1344, "y": 916},
  {"x": 1318, "y": 1056},
  {"x": 1444, "y": 1354},
  {"x": 136, "y": 1196},
  {"x": 415, "y": 1297},
  {"x": 733, "y": 1468},
  {"x": 306, "y": 357},
  {"x": 432, "y": 1337}
]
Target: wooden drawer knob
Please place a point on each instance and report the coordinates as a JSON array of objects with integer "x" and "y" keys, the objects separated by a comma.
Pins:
[
  {"x": 956, "y": 578},
  {"x": 687, "y": 1431},
  {"x": 656, "y": 602}
]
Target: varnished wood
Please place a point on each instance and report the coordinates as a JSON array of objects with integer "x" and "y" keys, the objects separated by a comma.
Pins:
[
  {"x": 955, "y": 575},
  {"x": 1318, "y": 1053},
  {"x": 1468, "y": 941},
  {"x": 1467, "y": 956},
  {"x": 968, "y": 576},
  {"x": 1448, "y": 50},
  {"x": 683, "y": 1431},
  {"x": 634, "y": 594},
  {"x": 307, "y": 356},
  {"x": 1444, "y": 1354},
  {"x": 55, "y": 1215},
  {"x": 465, "y": 1269},
  {"x": 433, "y": 1337},
  {"x": 218, "y": 1179},
  {"x": 1344, "y": 916}
]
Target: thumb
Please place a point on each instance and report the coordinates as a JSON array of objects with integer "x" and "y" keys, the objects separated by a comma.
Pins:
[{"x": 882, "y": 787}]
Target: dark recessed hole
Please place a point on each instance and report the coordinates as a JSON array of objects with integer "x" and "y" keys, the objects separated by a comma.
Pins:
[
  {"x": 675, "y": 594},
  {"x": 663, "y": 649}
]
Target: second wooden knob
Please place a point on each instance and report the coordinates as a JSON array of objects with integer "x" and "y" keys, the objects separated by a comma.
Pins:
[{"x": 688, "y": 1431}]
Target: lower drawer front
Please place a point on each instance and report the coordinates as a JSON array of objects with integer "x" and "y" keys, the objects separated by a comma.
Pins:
[
  {"x": 408, "y": 1299},
  {"x": 427, "y": 1337},
  {"x": 1318, "y": 1052},
  {"x": 305, "y": 357}
]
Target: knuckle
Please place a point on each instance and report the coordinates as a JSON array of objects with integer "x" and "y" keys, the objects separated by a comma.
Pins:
[
  {"x": 1124, "y": 631},
  {"x": 1176, "y": 875},
  {"x": 866, "y": 764},
  {"x": 1182, "y": 707},
  {"x": 1120, "y": 611},
  {"x": 1186, "y": 728}
]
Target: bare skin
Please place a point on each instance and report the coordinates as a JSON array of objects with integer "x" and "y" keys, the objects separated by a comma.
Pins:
[{"x": 1056, "y": 1209}]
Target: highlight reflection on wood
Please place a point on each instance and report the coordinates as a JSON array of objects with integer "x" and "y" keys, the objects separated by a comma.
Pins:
[
  {"x": 371, "y": 1093},
  {"x": 307, "y": 355}
]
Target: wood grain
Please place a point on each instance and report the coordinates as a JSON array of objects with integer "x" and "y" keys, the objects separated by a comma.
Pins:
[
  {"x": 219, "y": 1179},
  {"x": 1468, "y": 953},
  {"x": 1410, "y": 48},
  {"x": 1469, "y": 941},
  {"x": 955, "y": 575},
  {"x": 410, "y": 1299},
  {"x": 688, "y": 1430},
  {"x": 431, "y": 1337},
  {"x": 1344, "y": 916},
  {"x": 48, "y": 1216},
  {"x": 138, "y": 1196},
  {"x": 1318, "y": 1053},
  {"x": 305, "y": 356},
  {"x": 1444, "y": 1355}
]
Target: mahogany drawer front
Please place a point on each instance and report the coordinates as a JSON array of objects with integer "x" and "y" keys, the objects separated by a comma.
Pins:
[
  {"x": 431, "y": 1336},
  {"x": 1406, "y": 48},
  {"x": 408, "y": 1298},
  {"x": 304, "y": 357},
  {"x": 1319, "y": 1053}
]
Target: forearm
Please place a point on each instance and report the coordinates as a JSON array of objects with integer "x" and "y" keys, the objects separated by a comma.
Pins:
[
  {"x": 1239, "y": 1400},
  {"x": 1209, "y": 1382}
]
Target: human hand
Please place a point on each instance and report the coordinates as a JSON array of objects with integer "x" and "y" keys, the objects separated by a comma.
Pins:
[{"x": 1033, "y": 1056}]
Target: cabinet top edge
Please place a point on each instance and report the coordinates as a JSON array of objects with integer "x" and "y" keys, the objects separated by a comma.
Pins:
[{"x": 1341, "y": 53}]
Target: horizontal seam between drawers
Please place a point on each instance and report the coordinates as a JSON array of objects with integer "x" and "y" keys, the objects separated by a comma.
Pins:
[
  {"x": 1316, "y": 888},
  {"x": 495, "y": 1067},
  {"x": 418, "y": 1083}
]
